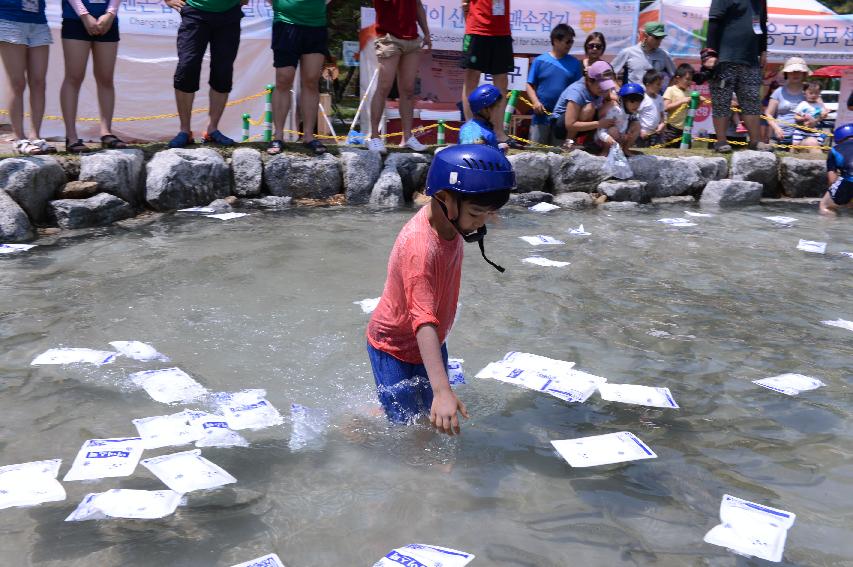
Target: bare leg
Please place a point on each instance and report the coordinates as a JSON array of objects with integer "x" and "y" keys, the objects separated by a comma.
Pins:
[
  {"x": 385, "y": 80},
  {"x": 15, "y": 64},
  {"x": 310, "y": 67},
  {"x": 720, "y": 127},
  {"x": 406, "y": 84},
  {"x": 753, "y": 126},
  {"x": 281, "y": 99},
  {"x": 103, "y": 66},
  {"x": 472, "y": 79},
  {"x": 631, "y": 138},
  {"x": 37, "y": 58},
  {"x": 217, "y": 107},
  {"x": 501, "y": 82},
  {"x": 184, "y": 102},
  {"x": 76, "y": 53},
  {"x": 827, "y": 206}
]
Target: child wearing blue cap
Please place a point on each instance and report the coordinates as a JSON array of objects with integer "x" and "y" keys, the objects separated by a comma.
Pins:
[
  {"x": 484, "y": 103},
  {"x": 839, "y": 173},
  {"x": 406, "y": 333}
]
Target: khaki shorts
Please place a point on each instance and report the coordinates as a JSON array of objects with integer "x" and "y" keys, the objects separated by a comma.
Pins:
[{"x": 388, "y": 46}]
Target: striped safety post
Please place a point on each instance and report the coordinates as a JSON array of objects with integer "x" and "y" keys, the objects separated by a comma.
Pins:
[
  {"x": 440, "y": 136},
  {"x": 687, "y": 135},
  {"x": 510, "y": 108},
  {"x": 268, "y": 114},
  {"x": 246, "y": 117}
]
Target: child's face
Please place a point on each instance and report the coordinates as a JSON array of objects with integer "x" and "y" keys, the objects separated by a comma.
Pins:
[
  {"x": 632, "y": 105},
  {"x": 653, "y": 88},
  {"x": 684, "y": 82},
  {"x": 472, "y": 217},
  {"x": 812, "y": 95}
]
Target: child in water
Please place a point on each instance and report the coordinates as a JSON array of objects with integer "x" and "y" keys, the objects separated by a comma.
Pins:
[
  {"x": 839, "y": 172},
  {"x": 483, "y": 102},
  {"x": 406, "y": 334}
]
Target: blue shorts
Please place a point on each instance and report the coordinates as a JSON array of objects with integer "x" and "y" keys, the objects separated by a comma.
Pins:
[{"x": 403, "y": 388}]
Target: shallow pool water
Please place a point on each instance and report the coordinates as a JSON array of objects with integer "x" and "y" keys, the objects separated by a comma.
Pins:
[{"x": 266, "y": 301}]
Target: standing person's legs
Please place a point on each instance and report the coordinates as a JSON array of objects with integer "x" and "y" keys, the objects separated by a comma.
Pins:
[
  {"x": 37, "y": 58},
  {"x": 76, "y": 54},
  {"x": 407, "y": 73},
  {"x": 388, "y": 56},
  {"x": 310, "y": 67},
  {"x": 748, "y": 91},
  {"x": 721, "y": 102},
  {"x": 15, "y": 65},
  {"x": 103, "y": 65},
  {"x": 224, "y": 43},
  {"x": 281, "y": 98},
  {"x": 501, "y": 82},
  {"x": 192, "y": 40},
  {"x": 470, "y": 82}
]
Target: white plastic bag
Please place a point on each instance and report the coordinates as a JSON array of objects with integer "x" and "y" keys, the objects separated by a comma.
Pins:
[{"x": 617, "y": 164}]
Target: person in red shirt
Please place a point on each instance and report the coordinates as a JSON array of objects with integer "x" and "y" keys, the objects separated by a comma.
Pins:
[
  {"x": 487, "y": 48},
  {"x": 398, "y": 49},
  {"x": 406, "y": 333}
]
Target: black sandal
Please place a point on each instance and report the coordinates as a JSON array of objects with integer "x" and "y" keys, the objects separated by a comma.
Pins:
[
  {"x": 112, "y": 142},
  {"x": 316, "y": 146},
  {"x": 77, "y": 147},
  {"x": 275, "y": 147}
]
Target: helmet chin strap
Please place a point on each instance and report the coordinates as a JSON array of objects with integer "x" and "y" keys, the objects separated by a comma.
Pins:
[{"x": 476, "y": 236}]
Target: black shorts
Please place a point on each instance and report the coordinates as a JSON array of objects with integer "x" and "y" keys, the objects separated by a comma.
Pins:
[
  {"x": 73, "y": 28},
  {"x": 290, "y": 42},
  {"x": 198, "y": 29},
  {"x": 487, "y": 54},
  {"x": 842, "y": 193}
]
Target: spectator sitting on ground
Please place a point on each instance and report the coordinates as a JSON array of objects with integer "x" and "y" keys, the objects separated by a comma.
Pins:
[
  {"x": 632, "y": 62},
  {"x": 577, "y": 106},
  {"x": 626, "y": 127},
  {"x": 651, "y": 114},
  {"x": 398, "y": 52},
  {"x": 593, "y": 47},
  {"x": 784, "y": 101},
  {"x": 675, "y": 99},
  {"x": 839, "y": 172},
  {"x": 814, "y": 109},
  {"x": 549, "y": 76},
  {"x": 484, "y": 103}
]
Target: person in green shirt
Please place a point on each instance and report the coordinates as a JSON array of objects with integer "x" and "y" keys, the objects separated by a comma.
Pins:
[
  {"x": 203, "y": 22},
  {"x": 299, "y": 37}
]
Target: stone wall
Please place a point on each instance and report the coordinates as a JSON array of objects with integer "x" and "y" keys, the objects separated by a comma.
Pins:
[{"x": 112, "y": 185}]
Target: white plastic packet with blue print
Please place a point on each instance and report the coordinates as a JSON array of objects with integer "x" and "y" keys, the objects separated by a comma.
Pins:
[
  {"x": 454, "y": 371},
  {"x": 126, "y": 503},
  {"x": 169, "y": 385},
  {"x": 555, "y": 377},
  {"x": 104, "y": 458},
  {"x": 247, "y": 409},
  {"x": 420, "y": 555},
  {"x": 213, "y": 430},
  {"x": 271, "y": 560},
  {"x": 28, "y": 484},
  {"x": 167, "y": 430},
  {"x": 541, "y": 239},
  {"x": 637, "y": 395},
  {"x": 790, "y": 384},
  {"x": 751, "y": 529},
  {"x": 74, "y": 356},
  {"x": 138, "y": 351},
  {"x": 187, "y": 471},
  {"x": 606, "y": 449}
]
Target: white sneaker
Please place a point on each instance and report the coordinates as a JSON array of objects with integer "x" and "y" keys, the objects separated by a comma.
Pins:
[
  {"x": 415, "y": 145},
  {"x": 377, "y": 145}
]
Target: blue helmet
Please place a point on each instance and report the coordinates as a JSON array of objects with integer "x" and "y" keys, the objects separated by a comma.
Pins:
[
  {"x": 483, "y": 96},
  {"x": 470, "y": 168},
  {"x": 843, "y": 132},
  {"x": 632, "y": 89}
]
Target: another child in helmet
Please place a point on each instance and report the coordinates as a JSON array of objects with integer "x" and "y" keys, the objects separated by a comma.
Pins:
[
  {"x": 406, "y": 333},
  {"x": 839, "y": 172},
  {"x": 484, "y": 103},
  {"x": 626, "y": 128}
]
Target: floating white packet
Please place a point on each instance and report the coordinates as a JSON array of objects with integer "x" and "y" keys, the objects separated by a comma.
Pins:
[
  {"x": 751, "y": 529},
  {"x": 125, "y": 503},
  {"x": 368, "y": 305},
  {"x": 554, "y": 377},
  {"x": 213, "y": 431},
  {"x": 812, "y": 246},
  {"x": 692, "y": 214},
  {"x": 603, "y": 449},
  {"x": 187, "y": 471},
  {"x": 197, "y": 210},
  {"x": 15, "y": 248},
  {"x": 848, "y": 254},
  {"x": 639, "y": 395},
  {"x": 103, "y": 458},
  {"x": 309, "y": 427},
  {"x": 420, "y": 555},
  {"x": 579, "y": 231},
  {"x": 270, "y": 560},
  {"x": 167, "y": 430},
  {"x": 227, "y": 216},
  {"x": 841, "y": 323},
  {"x": 782, "y": 220},
  {"x": 541, "y": 239},
  {"x": 169, "y": 385},
  {"x": 138, "y": 351},
  {"x": 678, "y": 221},
  {"x": 543, "y": 207},
  {"x": 28, "y": 484},
  {"x": 454, "y": 371},
  {"x": 74, "y": 356},
  {"x": 247, "y": 409},
  {"x": 790, "y": 384},
  {"x": 539, "y": 261}
]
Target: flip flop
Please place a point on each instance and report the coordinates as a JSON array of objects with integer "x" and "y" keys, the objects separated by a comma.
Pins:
[
  {"x": 316, "y": 146},
  {"x": 112, "y": 142}
]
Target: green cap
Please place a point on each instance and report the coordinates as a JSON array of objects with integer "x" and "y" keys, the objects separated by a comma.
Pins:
[{"x": 655, "y": 29}]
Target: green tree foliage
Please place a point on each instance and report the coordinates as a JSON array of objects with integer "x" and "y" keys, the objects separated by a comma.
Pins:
[{"x": 344, "y": 22}]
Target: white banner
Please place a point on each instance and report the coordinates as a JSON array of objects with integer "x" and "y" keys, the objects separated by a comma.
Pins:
[{"x": 845, "y": 115}]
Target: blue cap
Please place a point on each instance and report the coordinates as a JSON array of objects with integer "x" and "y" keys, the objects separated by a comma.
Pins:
[
  {"x": 470, "y": 168},
  {"x": 483, "y": 97},
  {"x": 632, "y": 89},
  {"x": 843, "y": 132}
]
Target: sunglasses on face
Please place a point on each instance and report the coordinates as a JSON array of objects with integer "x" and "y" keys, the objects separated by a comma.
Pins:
[{"x": 594, "y": 46}]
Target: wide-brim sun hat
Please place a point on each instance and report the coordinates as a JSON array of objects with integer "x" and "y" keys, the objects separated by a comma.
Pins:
[{"x": 794, "y": 64}]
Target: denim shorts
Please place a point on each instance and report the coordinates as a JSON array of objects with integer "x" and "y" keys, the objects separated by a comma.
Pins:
[
  {"x": 22, "y": 33},
  {"x": 403, "y": 388}
]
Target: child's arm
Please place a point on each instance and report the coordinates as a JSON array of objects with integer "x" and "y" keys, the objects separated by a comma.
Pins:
[
  {"x": 445, "y": 404},
  {"x": 827, "y": 206}
]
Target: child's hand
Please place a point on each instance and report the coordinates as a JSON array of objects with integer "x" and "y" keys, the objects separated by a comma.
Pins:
[{"x": 442, "y": 414}]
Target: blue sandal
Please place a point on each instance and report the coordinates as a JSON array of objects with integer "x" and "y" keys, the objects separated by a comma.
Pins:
[
  {"x": 218, "y": 138},
  {"x": 181, "y": 140},
  {"x": 315, "y": 146}
]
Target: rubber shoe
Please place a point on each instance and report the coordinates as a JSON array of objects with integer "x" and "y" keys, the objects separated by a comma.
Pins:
[
  {"x": 377, "y": 145},
  {"x": 218, "y": 138},
  {"x": 760, "y": 147},
  {"x": 181, "y": 140},
  {"x": 415, "y": 145}
]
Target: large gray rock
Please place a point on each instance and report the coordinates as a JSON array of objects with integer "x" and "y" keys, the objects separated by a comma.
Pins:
[
  {"x": 303, "y": 177},
  {"x": 31, "y": 182},
  {"x": 761, "y": 167},
  {"x": 574, "y": 200},
  {"x": 388, "y": 189},
  {"x": 532, "y": 171},
  {"x": 666, "y": 177},
  {"x": 803, "y": 177},
  {"x": 78, "y": 190},
  {"x": 268, "y": 202},
  {"x": 100, "y": 210},
  {"x": 731, "y": 192},
  {"x": 14, "y": 224},
  {"x": 710, "y": 168},
  {"x": 627, "y": 190},
  {"x": 180, "y": 178},
  {"x": 361, "y": 169},
  {"x": 530, "y": 198},
  {"x": 579, "y": 171},
  {"x": 412, "y": 168},
  {"x": 677, "y": 200},
  {"x": 118, "y": 172},
  {"x": 619, "y": 206},
  {"x": 248, "y": 170}
]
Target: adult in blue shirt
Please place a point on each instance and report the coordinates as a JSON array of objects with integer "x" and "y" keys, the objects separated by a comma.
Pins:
[
  {"x": 578, "y": 104},
  {"x": 549, "y": 76}
]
